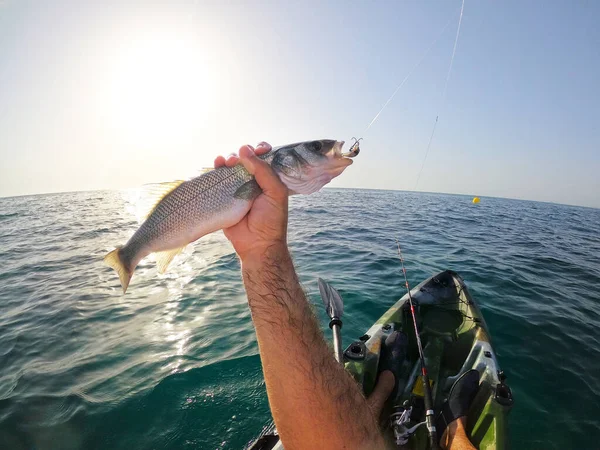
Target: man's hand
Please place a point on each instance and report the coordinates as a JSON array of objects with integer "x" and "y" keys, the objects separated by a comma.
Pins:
[{"x": 265, "y": 226}]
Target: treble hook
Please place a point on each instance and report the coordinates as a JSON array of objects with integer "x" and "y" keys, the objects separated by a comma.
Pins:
[{"x": 354, "y": 149}]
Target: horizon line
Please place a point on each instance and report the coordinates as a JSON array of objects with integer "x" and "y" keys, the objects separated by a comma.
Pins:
[{"x": 341, "y": 187}]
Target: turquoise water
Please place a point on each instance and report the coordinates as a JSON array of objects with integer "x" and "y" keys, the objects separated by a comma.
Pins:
[{"x": 173, "y": 364}]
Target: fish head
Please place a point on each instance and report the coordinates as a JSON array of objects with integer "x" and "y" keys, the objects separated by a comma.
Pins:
[{"x": 305, "y": 167}]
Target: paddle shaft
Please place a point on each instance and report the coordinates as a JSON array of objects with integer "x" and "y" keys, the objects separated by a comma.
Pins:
[
  {"x": 334, "y": 305},
  {"x": 428, "y": 397},
  {"x": 336, "y": 325}
]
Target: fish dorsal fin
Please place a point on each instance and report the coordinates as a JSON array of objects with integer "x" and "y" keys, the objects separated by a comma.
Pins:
[
  {"x": 151, "y": 196},
  {"x": 163, "y": 259}
]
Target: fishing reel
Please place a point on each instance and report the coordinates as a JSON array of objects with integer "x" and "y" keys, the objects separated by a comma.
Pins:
[{"x": 401, "y": 421}]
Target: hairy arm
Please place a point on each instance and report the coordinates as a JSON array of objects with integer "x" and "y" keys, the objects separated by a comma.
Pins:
[{"x": 315, "y": 403}]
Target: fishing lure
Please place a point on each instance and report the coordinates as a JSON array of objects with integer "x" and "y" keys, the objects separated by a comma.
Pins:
[{"x": 354, "y": 150}]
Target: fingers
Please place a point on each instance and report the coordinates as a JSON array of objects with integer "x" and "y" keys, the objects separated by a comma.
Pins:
[
  {"x": 262, "y": 148},
  {"x": 233, "y": 159},
  {"x": 265, "y": 176},
  {"x": 230, "y": 161},
  {"x": 219, "y": 161}
]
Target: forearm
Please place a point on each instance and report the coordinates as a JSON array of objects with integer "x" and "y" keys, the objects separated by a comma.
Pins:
[{"x": 314, "y": 401}]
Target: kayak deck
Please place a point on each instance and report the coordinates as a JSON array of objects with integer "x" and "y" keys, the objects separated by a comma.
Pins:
[{"x": 455, "y": 339}]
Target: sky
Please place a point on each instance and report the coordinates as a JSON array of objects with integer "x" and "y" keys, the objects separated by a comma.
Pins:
[{"x": 115, "y": 94}]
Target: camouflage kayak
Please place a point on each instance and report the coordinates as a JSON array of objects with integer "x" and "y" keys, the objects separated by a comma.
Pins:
[{"x": 455, "y": 340}]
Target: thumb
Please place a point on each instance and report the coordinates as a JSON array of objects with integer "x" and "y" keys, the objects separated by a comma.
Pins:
[{"x": 265, "y": 176}]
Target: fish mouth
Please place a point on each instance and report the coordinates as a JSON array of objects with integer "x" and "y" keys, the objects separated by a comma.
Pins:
[
  {"x": 338, "y": 160},
  {"x": 337, "y": 151}
]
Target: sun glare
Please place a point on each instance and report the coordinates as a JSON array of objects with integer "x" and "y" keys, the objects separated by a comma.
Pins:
[{"x": 160, "y": 88}]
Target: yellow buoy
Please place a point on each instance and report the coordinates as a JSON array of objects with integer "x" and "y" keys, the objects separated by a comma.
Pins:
[{"x": 476, "y": 199}]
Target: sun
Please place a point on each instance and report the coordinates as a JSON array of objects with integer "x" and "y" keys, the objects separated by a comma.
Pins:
[{"x": 159, "y": 88}]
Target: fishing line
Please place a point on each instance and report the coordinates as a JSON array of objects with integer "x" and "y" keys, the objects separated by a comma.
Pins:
[
  {"x": 427, "y": 151},
  {"x": 415, "y": 68},
  {"x": 453, "y": 51},
  {"x": 443, "y": 93}
]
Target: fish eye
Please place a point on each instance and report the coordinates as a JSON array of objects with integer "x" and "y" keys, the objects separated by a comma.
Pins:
[{"x": 315, "y": 146}]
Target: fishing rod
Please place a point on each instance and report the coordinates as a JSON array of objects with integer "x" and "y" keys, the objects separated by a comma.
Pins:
[{"x": 429, "y": 413}]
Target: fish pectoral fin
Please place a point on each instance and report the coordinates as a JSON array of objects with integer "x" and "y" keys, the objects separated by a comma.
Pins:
[
  {"x": 163, "y": 259},
  {"x": 152, "y": 194},
  {"x": 248, "y": 191}
]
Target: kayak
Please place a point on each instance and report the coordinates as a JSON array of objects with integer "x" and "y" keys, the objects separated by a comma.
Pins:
[{"x": 455, "y": 339}]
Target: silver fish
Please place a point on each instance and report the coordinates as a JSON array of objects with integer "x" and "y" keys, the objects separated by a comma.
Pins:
[{"x": 187, "y": 210}]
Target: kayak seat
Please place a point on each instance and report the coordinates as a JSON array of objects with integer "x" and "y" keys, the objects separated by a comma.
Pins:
[{"x": 442, "y": 323}]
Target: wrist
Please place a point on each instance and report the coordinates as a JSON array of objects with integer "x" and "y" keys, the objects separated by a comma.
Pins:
[
  {"x": 271, "y": 282},
  {"x": 261, "y": 257}
]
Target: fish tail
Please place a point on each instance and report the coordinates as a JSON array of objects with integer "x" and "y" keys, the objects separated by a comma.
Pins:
[{"x": 115, "y": 260}]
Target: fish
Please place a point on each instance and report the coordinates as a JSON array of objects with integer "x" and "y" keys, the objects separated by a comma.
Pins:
[{"x": 184, "y": 211}]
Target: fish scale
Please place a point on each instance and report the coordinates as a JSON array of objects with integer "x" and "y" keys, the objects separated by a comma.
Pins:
[{"x": 193, "y": 200}]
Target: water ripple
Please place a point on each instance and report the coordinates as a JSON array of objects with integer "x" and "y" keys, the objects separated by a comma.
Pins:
[{"x": 173, "y": 364}]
